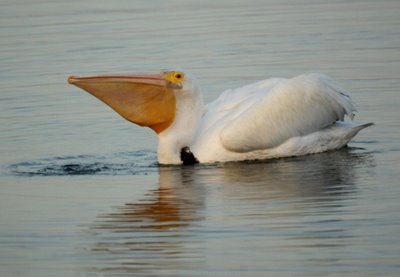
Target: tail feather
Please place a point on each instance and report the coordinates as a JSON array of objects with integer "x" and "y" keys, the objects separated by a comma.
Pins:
[
  {"x": 358, "y": 128},
  {"x": 362, "y": 126}
]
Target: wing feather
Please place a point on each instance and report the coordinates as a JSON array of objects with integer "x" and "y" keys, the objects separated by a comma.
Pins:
[{"x": 264, "y": 116}]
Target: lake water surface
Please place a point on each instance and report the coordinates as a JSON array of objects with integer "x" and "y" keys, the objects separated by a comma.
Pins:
[{"x": 81, "y": 193}]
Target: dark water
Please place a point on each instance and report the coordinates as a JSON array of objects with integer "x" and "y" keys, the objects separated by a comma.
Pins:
[
  {"x": 81, "y": 193},
  {"x": 127, "y": 163}
]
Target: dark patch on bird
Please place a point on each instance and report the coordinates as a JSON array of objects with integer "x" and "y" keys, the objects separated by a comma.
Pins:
[{"x": 187, "y": 156}]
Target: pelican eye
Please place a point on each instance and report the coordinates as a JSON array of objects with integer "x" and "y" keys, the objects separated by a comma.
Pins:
[{"x": 175, "y": 77}]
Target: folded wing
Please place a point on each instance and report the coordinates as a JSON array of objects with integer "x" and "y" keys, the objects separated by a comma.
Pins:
[{"x": 266, "y": 114}]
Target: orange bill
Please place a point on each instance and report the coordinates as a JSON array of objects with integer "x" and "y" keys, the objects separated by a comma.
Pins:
[{"x": 145, "y": 100}]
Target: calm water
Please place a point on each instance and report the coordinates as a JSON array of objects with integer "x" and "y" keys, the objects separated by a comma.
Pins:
[{"x": 81, "y": 193}]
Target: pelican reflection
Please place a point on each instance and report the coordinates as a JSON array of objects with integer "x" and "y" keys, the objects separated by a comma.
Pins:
[
  {"x": 156, "y": 233},
  {"x": 171, "y": 229}
]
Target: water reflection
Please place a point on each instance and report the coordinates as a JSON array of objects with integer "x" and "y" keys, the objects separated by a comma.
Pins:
[
  {"x": 311, "y": 177},
  {"x": 157, "y": 232},
  {"x": 275, "y": 205}
]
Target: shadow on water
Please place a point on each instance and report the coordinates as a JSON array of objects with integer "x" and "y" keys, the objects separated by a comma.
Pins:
[{"x": 166, "y": 232}]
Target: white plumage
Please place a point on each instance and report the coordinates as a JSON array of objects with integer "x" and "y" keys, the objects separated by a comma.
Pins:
[{"x": 275, "y": 118}]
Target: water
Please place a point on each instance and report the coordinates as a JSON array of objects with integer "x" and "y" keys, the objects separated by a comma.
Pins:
[{"x": 82, "y": 195}]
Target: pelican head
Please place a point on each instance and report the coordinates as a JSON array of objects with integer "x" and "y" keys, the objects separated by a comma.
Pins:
[{"x": 147, "y": 100}]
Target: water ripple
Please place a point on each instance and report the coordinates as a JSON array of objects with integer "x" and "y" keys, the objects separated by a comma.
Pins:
[{"x": 126, "y": 163}]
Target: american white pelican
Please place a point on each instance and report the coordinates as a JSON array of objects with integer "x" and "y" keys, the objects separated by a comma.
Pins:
[{"x": 268, "y": 119}]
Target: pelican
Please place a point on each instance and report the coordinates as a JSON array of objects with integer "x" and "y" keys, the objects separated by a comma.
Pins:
[{"x": 273, "y": 118}]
